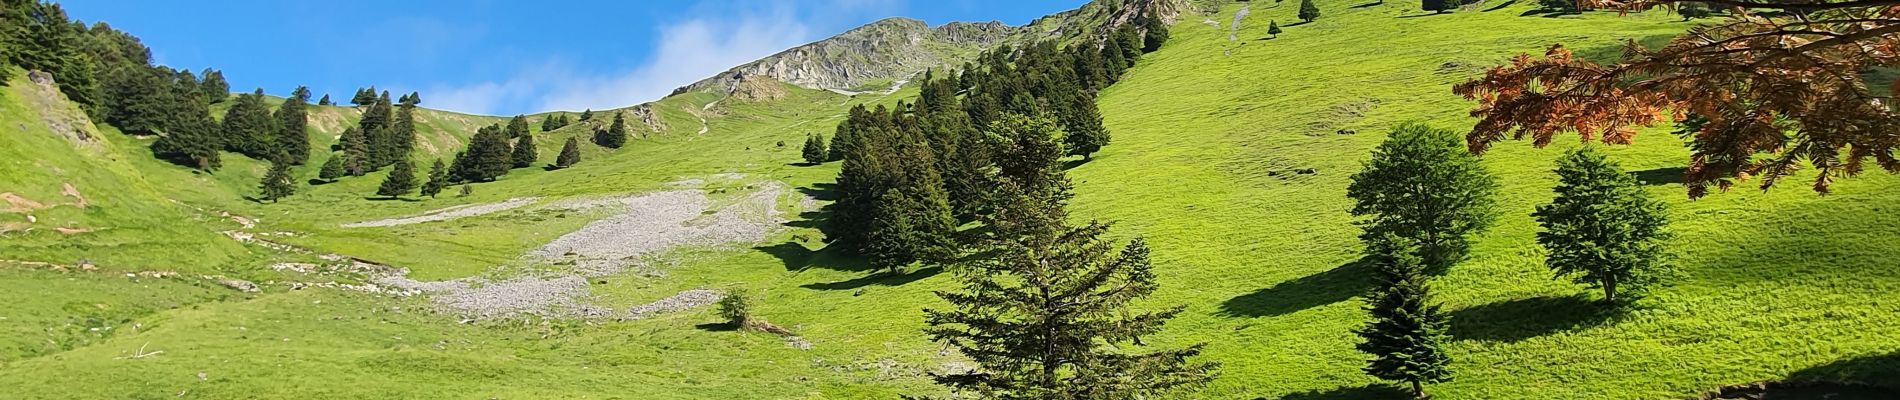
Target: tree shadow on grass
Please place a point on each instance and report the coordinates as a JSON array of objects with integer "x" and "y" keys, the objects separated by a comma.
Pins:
[
  {"x": 1071, "y": 164},
  {"x": 392, "y": 198},
  {"x": 1333, "y": 286},
  {"x": 1516, "y": 320},
  {"x": 880, "y": 279},
  {"x": 1368, "y": 5},
  {"x": 1882, "y": 370},
  {"x": 1660, "y": 176},
  {"x": 1500, "y": 6},
  {"x": 1875, "y": 377},
  {"x": 797, "y": 258},
  {"x": 1296, "y": 24},
  {"x": 821, "y": 191},
  {"x": 717, "y": 327},
  {"x": 1366, "y": 392}
]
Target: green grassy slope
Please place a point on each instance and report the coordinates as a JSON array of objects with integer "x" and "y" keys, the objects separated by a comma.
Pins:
[
  {"x": 1202, "y": 164},
  {"x": 1207, "y": 135}
]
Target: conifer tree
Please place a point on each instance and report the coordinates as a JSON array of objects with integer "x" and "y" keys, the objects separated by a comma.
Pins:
[
  {"x": 193, "y": 140},
  {"x": 249, "y": 129},
  {"x": 292, "y": 119},
  {"x": 325, "y": 101},
  {"x": 1308, "y": 11},
  {"x": 415, "y": 99},
  {"x": 815, "y": 151},
  {"x": 615, "y": 135},
  {"x": 1045, "y": 311},
  {"x": 438, "y": 179},
  {"x": 1084, "y": 133},
  {"x": 1273, "y": 27},
  {"x": 570, "y": 154},
  {"x": 402, "y": 130},
  {"x": 355, "y": 152},
  {"x": 553, "y": 122},
  {"x": 214, "y": 87},
  {"x": 1156, "y": 34},
  {"x": 517, "y": 126},
  {"x": 276, "y": 183},
  {"x": 587, "y": 114},
  {"x": 332, "y": 169},
  {"x": 1602, "y": 228},
  {"x": 1422, "y": 185},
  {"x": 375, "y": 128},
  {"x": 364, "y": 96},
  {"x": 488, "y": 155},
  {"x": 401, "y": 180},
  {"x": 1441, "y": 6},
  {"x": 524, "y": 153},
  {"x": 1407, "y": 331}
]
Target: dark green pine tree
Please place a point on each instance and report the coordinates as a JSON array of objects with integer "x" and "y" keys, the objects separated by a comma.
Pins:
[
  {"x": 587, "y": 114},
  {"x": 615, "y": 135},
  {"x": 249, "y": 129},
  {"x": 364, "y": 96},
  {"x": 438, "y": 179},
  {"x": 910, "y": 220},
  {"x": 401, "y": 180},
  {"x": 292, "y": 118},
  {"x": 1129, "y": 40},
  {"x": 1273, "y": 27},
  {"x": 517, "y": 127},
  {"x": 214, "y": 87},
  {"x": 137, "y": 100},
  {"x": 402, "y": 130},
  {"x": 415, "y": 99},
  {"x": 332, "y": 168},
  {"x": 841, "y": 139},
  {"x": 552, "y": 122},
  {"x": 1046, "y": 312},
  {"x": 1308, "y": 11},
  {"x": 276, "y": 183},
  {"x": 524, "y": 152},
  {"x": 1603, "y": 229},
  {"x": 325, "y": 101},
  {"x": 815, "y": 152},
  {"x": 1155, "y": 34},
  {"x": 1083, "y": 134},
  {"x": 355, "y": 152},
  {"x": 1422, "y": 185},
  {"x": 1407, "y": 332},
  {"x": 570, "y": 154},
  {"x": 193, "y": 140},
  {"x": 488, "y": 155}
]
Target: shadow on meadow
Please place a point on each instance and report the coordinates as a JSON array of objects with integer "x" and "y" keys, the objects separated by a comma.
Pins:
[
  {"x": 1365, "y": 392},
  {"x": 1338, "y": 284},
  {"x": 879, "y": 279},
  {"x": 1660, "y": 176},
  {"x": 1516, "y": 320},
  {"x": 1875, "y": 377}
]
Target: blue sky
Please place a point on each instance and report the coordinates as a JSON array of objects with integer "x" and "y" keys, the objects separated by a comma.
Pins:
[{"x": 503, "y": 57}]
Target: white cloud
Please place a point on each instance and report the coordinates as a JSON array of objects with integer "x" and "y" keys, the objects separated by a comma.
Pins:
[{"x": 714, "y": 39}]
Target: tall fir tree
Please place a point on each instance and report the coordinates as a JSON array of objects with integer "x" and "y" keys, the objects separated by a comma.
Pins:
[
  {"x": 249, "y": 129},
  {"x": 1083, "y": 134},
  {"x": 815, "y": 151},
  {"x": 276, "y": 183},
  {"x": 552, "y": 122},
  {"x": 570, "y": 154},
  {"x": 193, "y": 140},
  {"x": 1154, "y": 33},
  {"x": 214, "y": 87},
  {"x": 1046, "y": 312},
  {"x": 1603, "y": 229},
  {"x": 1407, "y": 333},
  {"x": 401, "y": 180},
  {"x": 364, "y": 96},
  {"x": 325, "y": 101},
  {"x": 524, "y": 151},
  {"x": 1273, "y": 28},
  {"x": 355, "y": 152},
  {"x": 587, "y": 114},
  {"x": 375, "y": 128},
  {"x": 517, "y": 127},
  {"x": 615, "y": 135},
  {"x": 488, "y": 156},
  {"x": 1422, "y": 185},
  {"x": 1308, "y": 11},
  {"x": 402, "y": 129},
  {"x": 438, "y": 179},
  {"x": 292, "y": 119}
]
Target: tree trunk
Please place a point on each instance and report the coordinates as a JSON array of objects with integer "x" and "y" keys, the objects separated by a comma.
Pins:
[
  {"x": 1609, "y": 290},
  {"x": 1418, "y": 391}
]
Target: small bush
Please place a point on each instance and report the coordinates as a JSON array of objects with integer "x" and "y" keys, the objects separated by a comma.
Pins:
[{"x": 736, "y": 308}]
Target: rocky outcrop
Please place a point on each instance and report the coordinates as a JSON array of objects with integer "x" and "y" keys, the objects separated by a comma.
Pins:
[{"x": 877, "y": 53}]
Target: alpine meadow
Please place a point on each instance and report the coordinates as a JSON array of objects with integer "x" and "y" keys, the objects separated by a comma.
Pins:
[{"x": 1130, "y": 199}]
